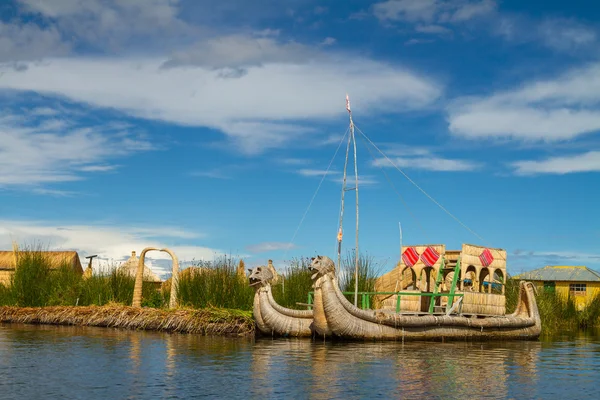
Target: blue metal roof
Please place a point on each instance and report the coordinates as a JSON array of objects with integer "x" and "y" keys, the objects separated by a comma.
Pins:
[{"x": 561, "y": 273}]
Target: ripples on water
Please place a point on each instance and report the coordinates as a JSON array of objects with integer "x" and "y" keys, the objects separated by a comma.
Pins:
[{"x": 86, "y": 363}]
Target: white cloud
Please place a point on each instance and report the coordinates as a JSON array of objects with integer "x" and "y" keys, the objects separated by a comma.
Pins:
[
  {"x": 269, "y": 246},
  {"x": 432, "y": 29},
  {"x": 555, "y": 109},
  {"x": 112, "y": 244},
  {"x": 98, "y": 168},
  {"x": 429, "y": 163},
  {"x": 406, "y": 10},
  {"x": 112, "y": 24},
  {"x": 54, "y": 192},
  {"x": 466, "y": 10},
  {"x": 560, "y": 34},
  {"x": 259, "y": 110},
  {"x": 328, "y": 41},
  {"x": 586, "y": 162},
  {"x": 432, "y": 10},
  {"x": 315, "y": 172},
  {"x": 404, "y": 156},
  {"x": 36, "y": 149},
  {"x": 239, "y": 51},
  {"x": 213, "y": 173},
  {"x": 413, "y": 41},
  {"x": 29, "y": 42},
  {"x": 566, "y": 34},
  {"x": 295, "y": 161}
]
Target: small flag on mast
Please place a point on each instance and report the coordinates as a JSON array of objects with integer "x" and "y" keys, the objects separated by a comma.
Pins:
[{"x": 347, "y": 102}]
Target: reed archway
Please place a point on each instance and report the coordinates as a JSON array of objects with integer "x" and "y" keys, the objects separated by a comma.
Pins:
[
  {"x": 470, "y": 278},
  {"x": 426, "y": 279},
  {"x": 499, "y": 278},
  {"x": 408, "y": 277},
  {"x": 484, "y": 276},
  {"x": 139, "y": 278}
]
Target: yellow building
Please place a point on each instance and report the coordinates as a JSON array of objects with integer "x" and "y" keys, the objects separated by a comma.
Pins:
[{"x": 578, "y": 282}]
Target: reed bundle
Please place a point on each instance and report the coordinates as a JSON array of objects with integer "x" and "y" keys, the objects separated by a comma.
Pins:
[
  {"x": 483, "y": 303},
  {"x": 210, "y": 321}
]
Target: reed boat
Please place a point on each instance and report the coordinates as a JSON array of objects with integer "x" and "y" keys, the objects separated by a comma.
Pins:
[
  {"x": 347, "y": 321},
  {"x": 270, "y": 317},
  {"x": 432, "y": 293}
]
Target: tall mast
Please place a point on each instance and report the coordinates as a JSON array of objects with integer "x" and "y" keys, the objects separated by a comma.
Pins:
[{"x": 351, "y": 141}]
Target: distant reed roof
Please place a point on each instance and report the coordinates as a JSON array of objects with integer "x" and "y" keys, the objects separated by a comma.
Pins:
[
  {"x": 572, "y": 273},
  {"x": 130, "y": 267},
  {"x": 55, "y": 258}
]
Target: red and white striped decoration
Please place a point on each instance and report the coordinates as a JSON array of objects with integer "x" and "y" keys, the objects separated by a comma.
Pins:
[
  {"x": 486, "y": 257},
  {"x": 430, "y": 256},
  {"x": 410, "y": 256}
]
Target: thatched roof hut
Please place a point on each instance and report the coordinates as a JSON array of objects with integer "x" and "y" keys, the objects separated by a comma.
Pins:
[
  {"x": 130, "y": 267},
  {"x": 55, "y": 259}
]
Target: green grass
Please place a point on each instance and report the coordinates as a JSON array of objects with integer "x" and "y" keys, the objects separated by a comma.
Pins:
[
  {"x": 368, "y": 271},
  {"x": 294, "y": 284},
  {"x": 36, "y": 284},
  {"x": 217, "y": 284}
]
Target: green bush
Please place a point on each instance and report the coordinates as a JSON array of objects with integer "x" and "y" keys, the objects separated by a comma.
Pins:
[
  {"x": 294, "y": 284},
  {"x": 368, "y": 272},
  {"x": 215, "y": 284}
]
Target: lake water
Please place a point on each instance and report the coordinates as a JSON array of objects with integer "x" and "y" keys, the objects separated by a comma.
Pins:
[{"x": 97, "y": 363}]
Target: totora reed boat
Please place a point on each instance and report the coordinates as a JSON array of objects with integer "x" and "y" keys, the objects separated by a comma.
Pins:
[
  {"x": 431, "y": 294},
  {"x": 345, "y": 320},
  {"x": 271, "y": 318}
]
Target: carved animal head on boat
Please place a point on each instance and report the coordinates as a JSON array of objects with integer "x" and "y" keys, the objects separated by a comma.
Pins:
[
  {"x": 321, "y": 266},
  {"x": 262, "y": 276}
]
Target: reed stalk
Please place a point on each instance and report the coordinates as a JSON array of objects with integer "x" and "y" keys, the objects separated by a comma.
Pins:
[
  {"x": 368, "y": 272},
  {"x": 215, "y": 284},
  {"x": 294, "y": 284}
]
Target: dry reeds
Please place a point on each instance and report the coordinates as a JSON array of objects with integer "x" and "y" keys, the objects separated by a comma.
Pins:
[
  {"x": 483, "y": 303},
  {"x": 208, "y": 321}
]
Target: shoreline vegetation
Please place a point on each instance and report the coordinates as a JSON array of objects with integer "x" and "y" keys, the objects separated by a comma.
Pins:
[{"x": 214, "y": 297}]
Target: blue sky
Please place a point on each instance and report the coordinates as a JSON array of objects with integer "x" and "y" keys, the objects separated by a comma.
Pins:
[{"x": 207, "y": 126}]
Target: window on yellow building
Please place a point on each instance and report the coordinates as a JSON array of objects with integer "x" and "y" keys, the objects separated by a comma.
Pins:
[
  {"x": 577, "y": 288},
  {"x": 549, "y": 287}
]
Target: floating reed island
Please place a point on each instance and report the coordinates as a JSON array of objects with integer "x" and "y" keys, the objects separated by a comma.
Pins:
[
  {"x": 45, "y": 288},
  {"x": 209, "y": 321}
]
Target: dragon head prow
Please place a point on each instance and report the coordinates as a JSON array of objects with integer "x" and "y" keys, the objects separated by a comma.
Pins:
[
  {"x": 321, "y": 266},
  {"x": 262, "y": 276}
]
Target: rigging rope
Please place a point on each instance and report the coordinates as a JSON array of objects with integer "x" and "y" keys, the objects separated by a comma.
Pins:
[
  {"x": 418, "y": 187},
  {"x": 395, "y": 190},
  {"x": 315, "y": 194}
]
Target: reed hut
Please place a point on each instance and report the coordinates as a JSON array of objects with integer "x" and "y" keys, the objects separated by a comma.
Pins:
[
  {"x": 56, "y": 259},
  {"x": 130, "y": 268},
  {"x": 482, "y": 274}
]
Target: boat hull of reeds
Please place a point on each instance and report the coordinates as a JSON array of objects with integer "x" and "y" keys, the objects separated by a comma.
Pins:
[
  {"x": 271, "y": 318},
  {"x": 346, "y": 321}
]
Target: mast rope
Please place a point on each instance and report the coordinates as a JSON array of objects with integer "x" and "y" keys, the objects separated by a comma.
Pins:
[
  {"x": 396, "y": 190},
  {"x": 315, "y": 194},
  {"x": 419, "y": 187}
]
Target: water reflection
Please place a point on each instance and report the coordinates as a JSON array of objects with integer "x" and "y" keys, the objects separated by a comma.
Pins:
[{"x": 78, "y": 362}]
